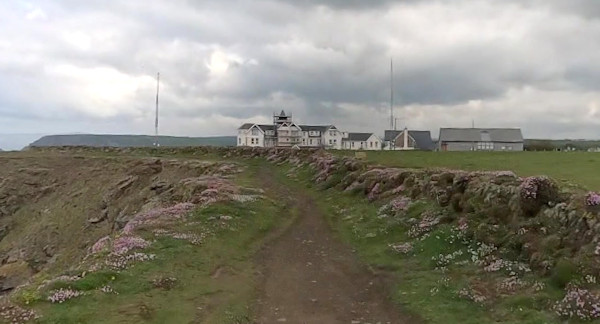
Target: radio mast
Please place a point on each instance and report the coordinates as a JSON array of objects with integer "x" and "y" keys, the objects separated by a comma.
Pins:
[
  {"x": 156, "y": 116},
  {"x": 392, "y": 94}
]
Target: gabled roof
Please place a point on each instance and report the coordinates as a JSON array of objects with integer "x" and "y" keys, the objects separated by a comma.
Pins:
[
  {"x": 504, "y": 135},
  {"x": 267, "y": 127},
  {"x": 422, "y": 138},
  {"x": 246, "y": 126},
  {"x": 358, "y": 137}
]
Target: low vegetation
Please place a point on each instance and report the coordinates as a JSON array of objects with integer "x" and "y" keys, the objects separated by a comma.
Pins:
[{"x": 461, "y": 246}]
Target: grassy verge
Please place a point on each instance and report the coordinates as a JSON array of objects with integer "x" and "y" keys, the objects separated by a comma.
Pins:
[
  {"x": 213, "y": 282},
  {"x": 437, "y": 267}
]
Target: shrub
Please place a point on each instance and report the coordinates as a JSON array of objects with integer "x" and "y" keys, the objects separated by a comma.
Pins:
[{"x": 563, "y": 273}]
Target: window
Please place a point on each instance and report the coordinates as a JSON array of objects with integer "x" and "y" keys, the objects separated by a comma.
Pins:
[
  {"x": 485, "y": 146},
  {"x": 376, "y": 144},
  {"x": 352, "y": 144},
  {"x": 254, "y": 131},
  {"x": 311, "y": 141},
  {"x": 370, "y": 144},
  {"x": 252, "y": 141},
  {"x": 330, "y": 142},
  {"x": 239, "y": 141},
  {"x": 334, "y": 141}
]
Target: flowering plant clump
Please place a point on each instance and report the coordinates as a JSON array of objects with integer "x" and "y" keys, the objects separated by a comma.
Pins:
[
  {"x": 425, "y": 225},
  {"x": 511, "y": 284},
  {"x": 578, "y": 303},
  {"x": 154, "y": 215},
  {"x": 124, "y": 244},
  {"x": 400, "y": 204},
  {"x": 529, "y": 188},
  {"x": 121, "y": 262},
  {"x": 403, "y": 248},
  {"x": 101, "y": 245},
  {"x": 442, "y": 261},
  {"x": 61, "y": 295},
  {"x": 15, "y": 314},
  {"x": 511, "y": 267},
  {"x": 195, "y": 239},
  {"x": 592, "y": 199},
  {"x": 108, "y": 290},
  {"x": 538, "y": 286},
  {"x": 472, "y": 295},
  {"x": 245, "y": 198}
]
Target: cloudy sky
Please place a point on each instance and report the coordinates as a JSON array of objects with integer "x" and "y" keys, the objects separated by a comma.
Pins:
[{"x": 71, "y": 66}]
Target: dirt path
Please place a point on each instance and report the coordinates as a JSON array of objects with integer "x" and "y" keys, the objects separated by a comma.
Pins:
[{"x": 311, "y": 277}]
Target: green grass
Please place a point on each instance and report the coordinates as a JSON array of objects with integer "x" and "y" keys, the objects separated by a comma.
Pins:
[
  {"x": 355, "y": 221},
  {"x": 573, "y": 167}
]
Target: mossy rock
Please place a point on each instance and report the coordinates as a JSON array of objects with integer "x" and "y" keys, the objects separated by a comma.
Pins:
[
  {"x": 456, "y": 202},
  {"x": 446, "y": 179}
]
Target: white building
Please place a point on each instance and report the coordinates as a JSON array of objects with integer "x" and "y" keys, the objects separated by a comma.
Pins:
[
  {"x": 327, "y": 136},
  {"x": 285, "y": 133},
  {"x": 362, "y": 141}
]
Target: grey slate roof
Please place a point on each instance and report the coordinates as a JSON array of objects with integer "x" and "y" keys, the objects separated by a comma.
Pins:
[
  {"x": 267, "y": 127},
  {"x": 422, "y": 138},
  {"x": 246, "y": 126},
  {"x": 313, "y": 128},
  {"x": 358, "y": 137},
  {"x": 503, "y": 135}
]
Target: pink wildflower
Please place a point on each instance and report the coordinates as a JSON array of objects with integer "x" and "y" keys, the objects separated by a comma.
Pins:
[
  {"x": 101, "y": 245},
  {"x": 124, "y": 244}
]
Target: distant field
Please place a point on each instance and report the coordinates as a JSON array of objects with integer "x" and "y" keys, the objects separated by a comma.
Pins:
[{"x": 580, "y": 168}]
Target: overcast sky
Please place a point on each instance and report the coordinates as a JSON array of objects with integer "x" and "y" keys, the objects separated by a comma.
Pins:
[{"x": 90, "y": 66}]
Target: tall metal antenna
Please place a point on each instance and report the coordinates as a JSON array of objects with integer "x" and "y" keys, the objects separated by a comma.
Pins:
[
  {"x": 392, "y": 94},
  {"x": 156, "y": 119}
]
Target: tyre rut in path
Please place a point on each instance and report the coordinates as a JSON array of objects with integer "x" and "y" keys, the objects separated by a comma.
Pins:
[{"x": 308, "y": 276}]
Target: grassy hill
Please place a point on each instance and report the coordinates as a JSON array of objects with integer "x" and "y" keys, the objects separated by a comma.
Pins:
[{"x": 131, "y": 140}]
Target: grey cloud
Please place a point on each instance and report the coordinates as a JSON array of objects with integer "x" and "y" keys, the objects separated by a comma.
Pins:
[{"x": 326, "y": 65}]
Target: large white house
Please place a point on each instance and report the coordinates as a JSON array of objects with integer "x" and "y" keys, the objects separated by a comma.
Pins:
[{"x": 285, "y": 133}]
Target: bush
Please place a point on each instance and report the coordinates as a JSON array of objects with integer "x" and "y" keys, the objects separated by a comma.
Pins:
[{"x": 563, "y": 273}]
